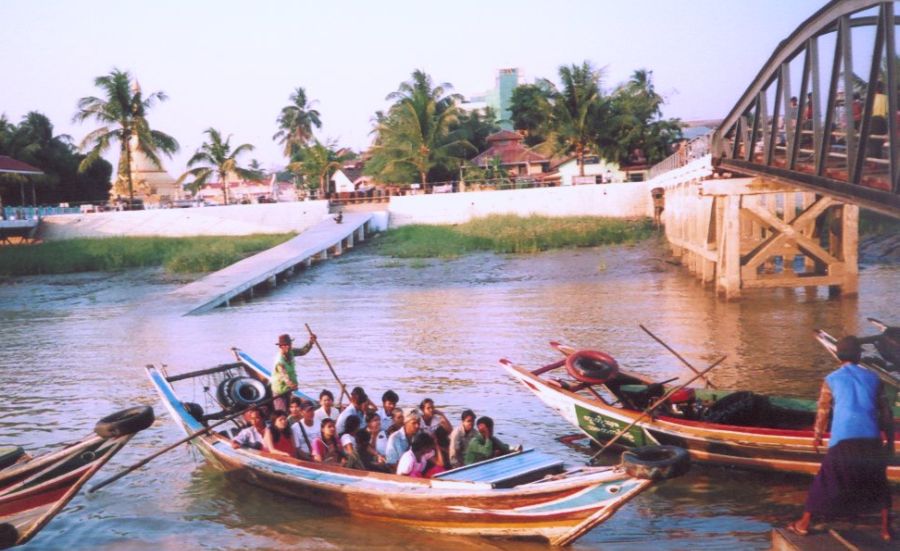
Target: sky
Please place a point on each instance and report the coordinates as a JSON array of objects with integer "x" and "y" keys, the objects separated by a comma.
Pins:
[{"x": 232, "y": 65}]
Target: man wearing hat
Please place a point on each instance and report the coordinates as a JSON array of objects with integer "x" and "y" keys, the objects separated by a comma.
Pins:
[
  {"x": 852, "y": 477},
  {"x": 284, "y": 375}
]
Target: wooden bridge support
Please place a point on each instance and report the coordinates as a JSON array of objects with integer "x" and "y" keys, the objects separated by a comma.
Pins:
[{"x": 746, "y": 233}]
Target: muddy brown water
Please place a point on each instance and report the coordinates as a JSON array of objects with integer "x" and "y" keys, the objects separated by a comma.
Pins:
[{"x": 74, "y": 348}]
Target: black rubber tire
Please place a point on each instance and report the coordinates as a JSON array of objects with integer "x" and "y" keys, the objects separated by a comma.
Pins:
[
  {"x": 8, "y": 535},
  {"x": 742, "y": 408},
  {"x": 656, "y": 462},
  {"x": 194, "y": 410},
  {"x": 242, "y": 392},
  {"x": 127, "y": 421}
]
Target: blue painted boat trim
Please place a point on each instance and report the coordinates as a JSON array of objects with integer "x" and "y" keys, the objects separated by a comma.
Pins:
[{"x": 258, "y": 368}]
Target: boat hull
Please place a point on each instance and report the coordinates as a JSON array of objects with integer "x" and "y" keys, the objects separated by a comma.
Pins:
[
  {"x": 733, "y": 446},
  {"x": 559, "y": 508}
]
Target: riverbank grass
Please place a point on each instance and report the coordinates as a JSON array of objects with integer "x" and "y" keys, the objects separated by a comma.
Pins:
[
  {"x": 511, "y": 234},
  {"x": 175, "y": 254}
]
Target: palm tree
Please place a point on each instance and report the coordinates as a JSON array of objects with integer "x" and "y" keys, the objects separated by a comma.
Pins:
[
  {"x": 316, "y": 162},
  {"x": 418, "y": 132},
  {"x": 217, "y": 159},
  {"x": 578, "y": 110},
  {"x": 122, "y": 112},
  {"x": 296, "y": 122}
]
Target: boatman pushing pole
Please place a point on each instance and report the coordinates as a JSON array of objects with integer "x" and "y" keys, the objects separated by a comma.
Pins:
[{"x": 284, "y": 374}]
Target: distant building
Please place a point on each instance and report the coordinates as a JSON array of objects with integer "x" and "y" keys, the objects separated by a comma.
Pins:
[
  {"x": 150, "y": 183},
  {"x": 499, "y": 98},
  {"x": 516, "y": 158},
  {"x": 248, "y": 191}
]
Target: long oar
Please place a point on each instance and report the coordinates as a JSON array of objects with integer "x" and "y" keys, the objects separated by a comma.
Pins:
[
  {"x": 187, "y": 438},
  {"x": 656, "y": 404},
  {"x": 677, "y": 355},
  {"x": 328, "y": 363}
]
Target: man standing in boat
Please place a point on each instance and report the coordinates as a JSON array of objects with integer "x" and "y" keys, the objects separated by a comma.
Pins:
[
  {"x": 853, "y": 474},
  {"x": 284, "y": 374}
]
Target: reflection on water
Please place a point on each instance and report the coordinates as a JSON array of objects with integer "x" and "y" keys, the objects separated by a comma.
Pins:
[{"x": 74, "y": 348}]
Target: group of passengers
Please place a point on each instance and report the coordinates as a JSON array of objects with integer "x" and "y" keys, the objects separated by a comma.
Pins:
[{"x": 419, "y": 442}]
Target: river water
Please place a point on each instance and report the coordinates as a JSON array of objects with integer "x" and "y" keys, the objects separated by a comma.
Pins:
[{"x": 74, "y": 348}]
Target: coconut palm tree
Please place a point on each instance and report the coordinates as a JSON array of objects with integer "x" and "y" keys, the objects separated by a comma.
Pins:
[
  {"x": 122, "y": 112},
  {"x": 417, "y": 134},
  {"x": 296, "y": 122},
  {"x": 317, "y": 161},
  {"x": 217, "y": 158},
  {"x": 578, "y": 111}
]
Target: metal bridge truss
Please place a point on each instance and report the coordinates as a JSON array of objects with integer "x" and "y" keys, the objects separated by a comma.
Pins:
[{"x": 846, "y": 147}]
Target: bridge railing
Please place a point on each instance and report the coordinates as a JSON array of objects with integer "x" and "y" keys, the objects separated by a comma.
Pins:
[{"x": 692, "y": 150}]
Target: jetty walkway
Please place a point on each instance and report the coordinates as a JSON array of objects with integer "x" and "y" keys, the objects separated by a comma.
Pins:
[{"x": 266, "y": 269}]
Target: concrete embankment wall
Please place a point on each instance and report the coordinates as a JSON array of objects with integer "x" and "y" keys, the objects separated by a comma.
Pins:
[
  {"x": 624, "y": 200},
  {"x": 230, "y": 220}
]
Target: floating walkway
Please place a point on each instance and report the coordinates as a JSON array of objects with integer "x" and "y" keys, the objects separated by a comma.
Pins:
[{"x": 266, "y": 269}]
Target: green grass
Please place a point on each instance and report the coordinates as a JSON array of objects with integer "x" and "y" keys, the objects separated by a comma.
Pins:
[
  {"x": 872, "y": 223},
  {"x": 177, "y": 255},
  {"x": 511, "y": 234}
]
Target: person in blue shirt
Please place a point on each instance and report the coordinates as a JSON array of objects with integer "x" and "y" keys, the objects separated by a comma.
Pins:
[{"x": 853, "y": 474}]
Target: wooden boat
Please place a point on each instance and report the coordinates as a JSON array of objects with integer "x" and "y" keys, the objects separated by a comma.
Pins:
[
  {"x": 525, "y": 494},
  {"x": 886, "y": 362},
  {"x": 34, "y": 490},
  {"x": 721, "y": 427}
]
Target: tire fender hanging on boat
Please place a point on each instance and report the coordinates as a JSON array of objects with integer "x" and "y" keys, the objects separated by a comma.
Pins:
[
  {"x": 591, "y": 366},
  {"x": 656, "y": 462},
  {"x": 126, "y": 421}
]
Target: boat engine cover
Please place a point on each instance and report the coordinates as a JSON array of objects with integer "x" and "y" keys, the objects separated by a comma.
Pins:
[{"x": 591, "y": 366}]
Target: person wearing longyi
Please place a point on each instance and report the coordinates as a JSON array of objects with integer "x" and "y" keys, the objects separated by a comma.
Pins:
[
  {"x": 284, "y": 374},
  {"x": 852, "y": 477}
]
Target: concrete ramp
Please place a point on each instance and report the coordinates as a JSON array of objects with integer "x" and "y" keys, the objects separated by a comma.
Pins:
[{"x": 266, "y": 269}]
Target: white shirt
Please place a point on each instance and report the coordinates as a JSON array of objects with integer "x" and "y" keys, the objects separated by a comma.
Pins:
[
  {"x": 342, "y": 419},
  {"x": 348, "y": 439},
  {"x": 249, "y": 436},
  {"x": 381, "y": 442},
  {"x": 321, "y": 415},
  {"x": 312, "y": 433},
  {"x": 409, "y": 466},
  {"x": 386, "y": 420}
]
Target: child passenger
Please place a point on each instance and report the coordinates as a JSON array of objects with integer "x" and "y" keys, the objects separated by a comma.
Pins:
[{"x": 414, "y": 461}]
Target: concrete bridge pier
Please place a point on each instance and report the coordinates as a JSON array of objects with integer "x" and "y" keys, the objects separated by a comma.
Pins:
[{"x": 745, "y": 233}]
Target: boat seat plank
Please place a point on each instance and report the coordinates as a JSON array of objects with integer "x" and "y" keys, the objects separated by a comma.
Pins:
[{"x": 508, "y": 470}]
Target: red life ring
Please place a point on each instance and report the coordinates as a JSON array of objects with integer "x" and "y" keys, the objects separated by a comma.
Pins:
[{"x": 591, "y": 366}]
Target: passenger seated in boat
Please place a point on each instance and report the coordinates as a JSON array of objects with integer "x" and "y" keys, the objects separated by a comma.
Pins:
[
  {"x": 414, "y": 461},
  {"x": 377, "y": 437},
  {"x": 306, "y": 431},
  {"x": 400, "y": 440},
  {"x": 252, "y": 436},
  {"x": 295, "y": 410},
  {"x": 357, "y": 408},
  {"x": 460, "y": 437},
  {"x": 326, "y": 448},
  {"x": 396, "y": 422},
  {"x": 352, "y": 459},
  {"x": 371, "y": 459},
  {"x": 388, "y": 404},
  {"x": 278, "y": 438},
  {"x": 484, "y": 445},
  {"x": 326, "y": 409},
  {"x": 433, "y": 419}
]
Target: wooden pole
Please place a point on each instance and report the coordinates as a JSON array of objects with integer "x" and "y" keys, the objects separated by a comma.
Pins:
[
  {"x": 187, "y": 438},
  {"x": 328, "y": 363},
  {"x": 677, "y": 355},
  {"x": 654, "y": 405}
]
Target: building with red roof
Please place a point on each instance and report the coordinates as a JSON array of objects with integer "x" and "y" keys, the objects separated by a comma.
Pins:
[{"x": 515, "y": 157}]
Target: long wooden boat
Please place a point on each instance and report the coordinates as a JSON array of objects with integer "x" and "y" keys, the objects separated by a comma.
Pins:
[
  {"x": 721, "y": 427},
  {"x": 526, "y": 494},
  {"x": 34, "y": 490}
]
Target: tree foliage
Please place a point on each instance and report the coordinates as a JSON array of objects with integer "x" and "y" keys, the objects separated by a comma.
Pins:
[
  {"x": 578, "y": 118},
  {"x": 33, "y": 141},
  {"x": 216, "y": 158},
  {"x": 420, "y": 134},
  {"x": 296, "y": 122},
  {"x": 122, "y": 114},
  {"x": 317, "y": 161}
]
